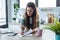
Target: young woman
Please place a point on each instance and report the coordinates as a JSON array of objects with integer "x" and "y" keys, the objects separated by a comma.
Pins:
[{"x": 31, "y": 19}]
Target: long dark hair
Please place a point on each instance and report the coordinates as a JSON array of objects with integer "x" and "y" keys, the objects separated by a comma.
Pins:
[{"x": 32, "y": 5}]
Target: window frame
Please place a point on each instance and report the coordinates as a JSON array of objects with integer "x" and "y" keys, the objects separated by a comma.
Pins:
[{"x": 6, "y": 25}]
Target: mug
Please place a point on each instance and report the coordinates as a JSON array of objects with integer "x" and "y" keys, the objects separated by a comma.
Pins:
[{"x": 39, "y": 33}]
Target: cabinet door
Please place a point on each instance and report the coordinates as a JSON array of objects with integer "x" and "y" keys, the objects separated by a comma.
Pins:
[{"x": 57, "y": 3}]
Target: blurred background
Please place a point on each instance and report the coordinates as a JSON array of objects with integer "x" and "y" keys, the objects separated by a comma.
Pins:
[{"x": 11, "y": 12}]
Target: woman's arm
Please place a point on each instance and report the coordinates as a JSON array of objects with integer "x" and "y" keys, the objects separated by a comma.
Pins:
[
  {"x": 22, "y": 29},
  {"x": 37, "y": 20},
  {"x": 37, "y": 24}
]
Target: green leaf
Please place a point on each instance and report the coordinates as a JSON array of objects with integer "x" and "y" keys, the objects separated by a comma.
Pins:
[{"x": 54, "y": 27}]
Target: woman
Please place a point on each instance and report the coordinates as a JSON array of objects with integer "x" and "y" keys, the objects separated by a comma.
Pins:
[{"x": 31, "y": 18}]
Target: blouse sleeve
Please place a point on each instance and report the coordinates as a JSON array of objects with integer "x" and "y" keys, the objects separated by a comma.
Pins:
[
  {"x": 23, "y": 21},
  {"x": 37, "y": 20}
]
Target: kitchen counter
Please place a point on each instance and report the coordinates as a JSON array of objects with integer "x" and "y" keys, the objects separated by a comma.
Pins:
[
  {"x": 6, "y": 37},
  {"x": 46, "y": 34}
]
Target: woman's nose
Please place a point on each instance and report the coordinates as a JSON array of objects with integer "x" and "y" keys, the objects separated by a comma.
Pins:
[{"x": 29, "y": 12}]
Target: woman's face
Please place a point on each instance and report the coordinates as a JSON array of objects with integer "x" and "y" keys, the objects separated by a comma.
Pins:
[{"x": 29, "y": 11}]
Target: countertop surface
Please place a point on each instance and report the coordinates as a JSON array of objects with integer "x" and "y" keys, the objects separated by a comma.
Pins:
[
  {"x": 6, "y": 37},
  {"x": 46, "y": 34}
]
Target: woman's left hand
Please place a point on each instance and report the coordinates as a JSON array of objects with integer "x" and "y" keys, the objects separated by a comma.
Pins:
[{"x": 34, "y": 30}]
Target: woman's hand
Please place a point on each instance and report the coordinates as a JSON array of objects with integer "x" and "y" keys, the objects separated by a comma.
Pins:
[
  {"x": 22, "y": 33},
  {"x": 34, "y": 30}
]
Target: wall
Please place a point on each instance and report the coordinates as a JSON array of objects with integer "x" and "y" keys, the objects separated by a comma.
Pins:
[
  {"x": 42, "y": 14},
  {"x": 10, "y": 9}
]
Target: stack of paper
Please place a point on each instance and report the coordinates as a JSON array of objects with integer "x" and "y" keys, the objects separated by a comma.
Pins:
[{"x": 26, "y": 34}]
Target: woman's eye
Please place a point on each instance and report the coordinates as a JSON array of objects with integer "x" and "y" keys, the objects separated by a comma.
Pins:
[{"x": 29, "y": 11}]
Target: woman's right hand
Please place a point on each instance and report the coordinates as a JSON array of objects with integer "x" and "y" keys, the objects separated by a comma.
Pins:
[{"x": 21, "y": 33}]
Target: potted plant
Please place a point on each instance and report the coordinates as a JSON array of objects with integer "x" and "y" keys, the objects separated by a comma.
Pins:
[
  {"x": 55, "y": 28},
  {"x": 16, "y": 6}
]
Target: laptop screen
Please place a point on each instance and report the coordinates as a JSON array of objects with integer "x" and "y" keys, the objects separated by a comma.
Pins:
[{"x": 3, "y": 14}]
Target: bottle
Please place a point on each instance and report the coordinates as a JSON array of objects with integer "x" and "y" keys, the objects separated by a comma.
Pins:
[{"x": 59, "y": 18}]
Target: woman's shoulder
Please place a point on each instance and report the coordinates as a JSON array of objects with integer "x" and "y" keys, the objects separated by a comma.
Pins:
[
  {"x": 37, "y": 15},
  {"x": 24, "y": 16}
]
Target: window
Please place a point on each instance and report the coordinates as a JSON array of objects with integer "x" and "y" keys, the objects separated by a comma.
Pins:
[
  {"x": 41, "y": 3},
  {"x": 3, "y": 13},
  {"x": 46, "y": 3},
  {"x": 0, "y": 3},
  {"x": 23, "y": 3}
]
